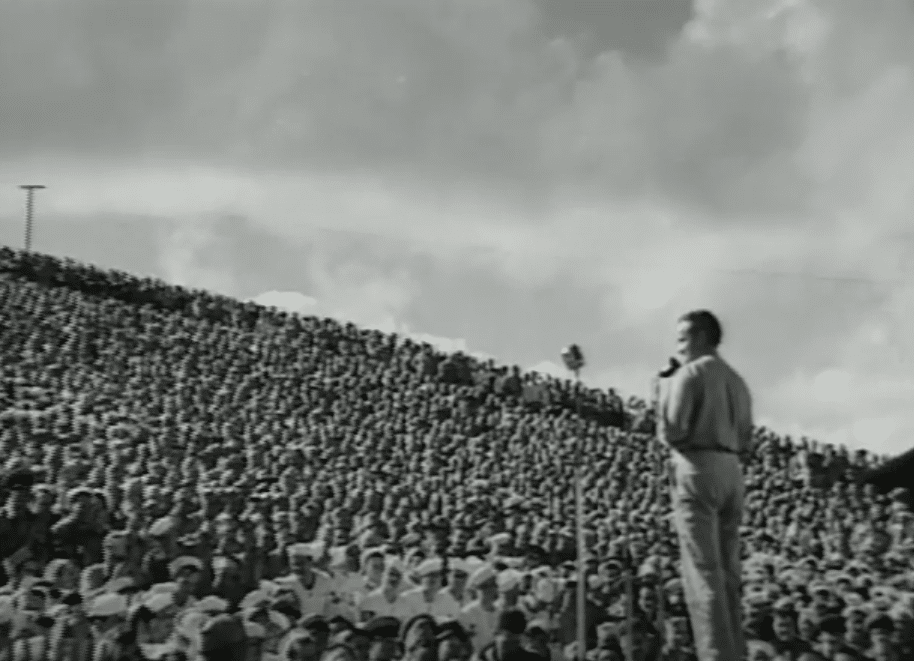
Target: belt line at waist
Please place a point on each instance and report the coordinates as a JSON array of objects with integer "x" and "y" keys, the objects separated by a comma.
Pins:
[{"x": 715, "y": 448}]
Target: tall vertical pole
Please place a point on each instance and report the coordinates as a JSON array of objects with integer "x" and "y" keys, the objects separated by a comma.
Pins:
[
  {"x": 574, "y": 361},
  {"x": 29, "y": 211},
  {"x": 579, "y": 514}
]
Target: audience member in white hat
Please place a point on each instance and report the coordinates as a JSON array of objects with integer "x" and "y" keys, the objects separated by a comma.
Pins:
[
  {"x": 347, "y": 580},
  {"x": 370, "y": 577},
  {"x": 480, "y": 617},
  {"x": 385, "y": 601},
  {"x": 185, "y": 572},
  {"x": 154, "y": 631},
  {"x": 428, "y": 598},
  {"x": 274, "y": 626},
  {"x": 510, "y": 582},
  {"x": 314, "y": 589},
  {"x": 372, "y": 565},
  {"x": 107, "y": 615},
  {"x": 539, "y": 603},
  {"x": 456, "y": 587}
]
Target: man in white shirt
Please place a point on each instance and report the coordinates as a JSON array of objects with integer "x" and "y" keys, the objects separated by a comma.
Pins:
[
  {"x": 347, "y": 581},
  {"x": 538, "y": 603},
  {"x": 480, "y": 617},
  {"x": 373, "y": 563},
  {"x": 509, "y": 583},
  {"x": 428, "y": 598},
  {"x": 385, "y": 601},
  {"x": 315, "y": 590},
  {"x": 456, "y": 588},
  {"x": 705, "y": 419}
]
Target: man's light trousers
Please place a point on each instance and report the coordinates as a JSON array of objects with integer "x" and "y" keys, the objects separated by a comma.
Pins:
[{"x": 707, "y": 495}]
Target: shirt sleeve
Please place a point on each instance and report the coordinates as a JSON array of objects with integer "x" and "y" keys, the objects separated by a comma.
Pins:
[
  {"x": 679, "y": 408},
  {"x": 744, "y": 422}
]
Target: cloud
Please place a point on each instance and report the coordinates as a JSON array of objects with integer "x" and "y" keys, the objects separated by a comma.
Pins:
[
  {"x": 626, "y": 381},
  {"x": 872, "y": 382},
  {"x": 289, "y": 301},
  {"x": 769, "y": 137},
  {"x": 182, "y": 262},
  {"x": 302, "y": 304},
  {"x": 445, "y": 344},
  {"x": 550, "y": 368}
]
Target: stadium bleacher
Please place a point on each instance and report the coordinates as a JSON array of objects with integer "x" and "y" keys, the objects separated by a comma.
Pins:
[{"x": 173, "y": 458}]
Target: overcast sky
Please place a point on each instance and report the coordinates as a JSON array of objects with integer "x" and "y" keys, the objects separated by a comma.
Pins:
[{"x": 507, "y": 176}]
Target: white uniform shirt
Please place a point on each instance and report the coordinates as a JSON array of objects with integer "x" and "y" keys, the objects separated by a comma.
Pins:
[
  {"x": 347, "y": 587},
  {"x": 442, "y": 607},
  {"x": 460, "y": 604},
  {"x": 319, "y": 599},
  {"x": 538, "y": 612},
  {"x": 376, "y": 604},
  {"x": 359, "y": 588},
  {"x": 480, "y": 623}
]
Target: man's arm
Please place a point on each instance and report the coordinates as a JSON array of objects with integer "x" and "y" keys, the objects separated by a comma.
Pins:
[
  {"x": 744, "y": 423},
  {"x": 678, "y": 409}
]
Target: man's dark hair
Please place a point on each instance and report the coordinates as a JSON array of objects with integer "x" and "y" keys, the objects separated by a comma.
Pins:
[
  {"x": 705, "y": 322},
  {"x": 513, "y": 621},
  {"x": 452, "y": 629},
  {"x": 833, "y": 624},
  {"x": 880, "y": 622}
]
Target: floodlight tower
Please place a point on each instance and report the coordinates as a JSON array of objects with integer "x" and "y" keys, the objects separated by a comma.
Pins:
[{"x": 29, "y": 211}]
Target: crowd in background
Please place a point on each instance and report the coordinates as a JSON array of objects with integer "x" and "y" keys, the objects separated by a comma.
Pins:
[{"x": 189, "y": 476}]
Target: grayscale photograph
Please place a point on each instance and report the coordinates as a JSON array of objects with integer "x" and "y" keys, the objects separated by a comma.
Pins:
[{"x": 456, "y": 330}]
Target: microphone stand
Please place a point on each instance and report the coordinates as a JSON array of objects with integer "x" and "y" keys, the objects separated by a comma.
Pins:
[
  {"x": 574, "y": 361},
  {"x": 579, "y": 516},
  {"x": 658, "y": 420}
]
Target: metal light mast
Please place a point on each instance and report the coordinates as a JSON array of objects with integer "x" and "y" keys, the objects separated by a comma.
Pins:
[{"x": 29, "y": 211}]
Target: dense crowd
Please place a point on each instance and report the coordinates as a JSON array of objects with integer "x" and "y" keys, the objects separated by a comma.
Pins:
[{"x": 187, "y": 476}]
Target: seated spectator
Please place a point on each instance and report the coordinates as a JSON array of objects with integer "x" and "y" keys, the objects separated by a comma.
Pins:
[{"x": 508, "y": 643}]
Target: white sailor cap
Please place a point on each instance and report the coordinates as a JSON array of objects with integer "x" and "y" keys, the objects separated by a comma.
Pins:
[
  {"x": 6, "y": 609},
  {"x": 509, "y": 580},
  {"x": 472, "y": 564},
  {"x": 458, "y": 565},
  {"x": 254, "y": 631},
  {"x": 761, "y": 646},
  {"x": 482, "y": 575},
  {"x": 499, "y": 539},
  {"x": 212, "y": 604},
  {"x": 157, "y": 602},
  {"x": 280, "y": 621},
  {"x": 393, "y": 562},
  {"x": 430, "y": 566},
  {"x": 338, "y": 556},
  {"x": 108, "y": 605},
  {"x": 370, "y": 553},
  {"x": 184, "y": 562},
  {"x": 314, "y": 551},
  {"x": 255, "y": 599},
  {"x": 546, "y": 590}
]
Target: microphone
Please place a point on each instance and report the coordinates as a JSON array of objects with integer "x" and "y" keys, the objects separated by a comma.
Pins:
[{"x": 670, "y": 369}]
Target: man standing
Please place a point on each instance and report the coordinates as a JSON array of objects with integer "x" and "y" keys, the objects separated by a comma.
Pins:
[
  {"x": 316, "y": 591},
  {"x": 17, "y": 523},
  {"x": 428, "y": 598},
  {"x": 706, "y": 420},
  {"x": 480, "y": 617}
]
